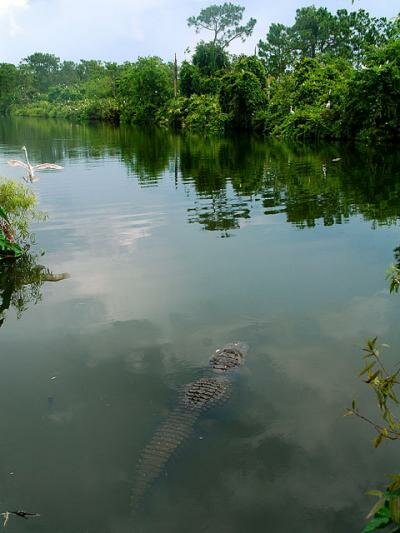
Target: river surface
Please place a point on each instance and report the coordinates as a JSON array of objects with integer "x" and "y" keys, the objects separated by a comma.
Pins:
[{"x": 176, "y": 245}]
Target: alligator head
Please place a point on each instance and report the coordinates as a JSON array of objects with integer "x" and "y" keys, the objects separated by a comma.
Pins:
[{"x": 230, "y": 356}]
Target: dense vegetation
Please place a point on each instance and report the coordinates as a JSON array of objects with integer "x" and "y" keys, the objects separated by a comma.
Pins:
[{"x": 328, "y": 75}]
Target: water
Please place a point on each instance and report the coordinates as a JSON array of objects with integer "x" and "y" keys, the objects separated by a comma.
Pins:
[{"x": 176, "y": 245}]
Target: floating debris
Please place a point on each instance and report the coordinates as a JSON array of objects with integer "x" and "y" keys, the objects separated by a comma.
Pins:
[
  {"x": 20, "y": 513},
  {"x": 336, "y": 159}
]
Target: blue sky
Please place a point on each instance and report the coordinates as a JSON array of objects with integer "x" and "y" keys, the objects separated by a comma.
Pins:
[{"x": 122, "y": 30}]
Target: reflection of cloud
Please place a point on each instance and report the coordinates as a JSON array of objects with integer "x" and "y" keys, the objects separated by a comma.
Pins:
[{"x": 363, "y": 316}]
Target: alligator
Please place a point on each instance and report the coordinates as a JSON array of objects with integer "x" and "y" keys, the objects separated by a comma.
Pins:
[{"x": 196, "y": 397}]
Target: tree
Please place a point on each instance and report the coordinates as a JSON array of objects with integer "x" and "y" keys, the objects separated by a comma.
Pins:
[
  {"x": 189, "y": 79},
  {"x": 44, "y": 68},
  {"x": 241, "y": 96},
  {"x": 144, "y": 88},
  {"x": 209, "y": 58},
  {"x": 8, "y": 84},
  {"x": 373, "y": 107},
  {"x": 224, "y": 21},
  {"x": 277, "y": 51},
  {"x": 312, "y": 30}
]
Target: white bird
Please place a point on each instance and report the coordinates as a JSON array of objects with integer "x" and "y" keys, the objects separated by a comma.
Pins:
[
  {"x": 31, "y": 169},
  {"x": 328, "y": 104},
  {"x": 291, "y": 110}
]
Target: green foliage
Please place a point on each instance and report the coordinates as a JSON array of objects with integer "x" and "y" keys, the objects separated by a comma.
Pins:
[
  {"x": 44, "y": 69},
  {"x": 386, "y": 511},
  {"x": 209, "y": 58},
  {"x": 176, "y": 112},
  {"x": 393, "y": 276},
  {"x": 316, "y": 31},
  {"x": 328, "y": 76},
  {"x": 189, "y": 79},
  {"x": 204, "y": 115},
  {"x": 8, "y": 248},
  {"x": 372, "y": 109},
  {"x": 18, "y": 202},
  {"x": 86, "y": 109},
  {"x": 277, "y": 51},
  {"x": 224, "y": 21},
  {"x": 241, "y": 95},
  {"x": 383, "y": 384},
  {"x": 144, "y": 88},
  {"x": 312, "y": 30},
  {"x": 317, "y": 90}
]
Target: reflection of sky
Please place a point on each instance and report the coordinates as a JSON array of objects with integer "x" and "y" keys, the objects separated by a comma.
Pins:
[{"x": 150, "y": 296}]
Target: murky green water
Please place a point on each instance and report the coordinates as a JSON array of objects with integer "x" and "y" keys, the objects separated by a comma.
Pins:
[{"x": 176, "y": 246}]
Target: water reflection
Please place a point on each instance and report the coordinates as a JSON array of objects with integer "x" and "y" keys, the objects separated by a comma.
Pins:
[
  {"x": 102, "y": 362},
  {"x": 231, "y": 180},
  {"x": 21, "y": 284}
]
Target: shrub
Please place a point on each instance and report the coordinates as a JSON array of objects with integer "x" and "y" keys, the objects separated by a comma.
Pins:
[
  {"x": 204, "y": 115},
  {"x": 18, "y": 201}
]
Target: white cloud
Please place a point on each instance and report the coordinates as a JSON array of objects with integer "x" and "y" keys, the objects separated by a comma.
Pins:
[{"x": 8, "y": 15}]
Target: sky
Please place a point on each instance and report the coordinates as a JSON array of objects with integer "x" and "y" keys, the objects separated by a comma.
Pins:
[{"x": 122, "y": 30}]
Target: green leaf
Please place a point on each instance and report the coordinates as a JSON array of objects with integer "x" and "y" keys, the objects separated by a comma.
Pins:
[
  {"x": 381, "y": 519},
  {"x": 367, "y": 368},
  {"x": 373, "y": 376},
  {"x": 374, "y": 492},
  {"x": 377, "y": 440},
  {"x": 3, "y": 214}
]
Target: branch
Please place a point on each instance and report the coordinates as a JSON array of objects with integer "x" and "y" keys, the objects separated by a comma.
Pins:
[{"x": 391, "y": 435}]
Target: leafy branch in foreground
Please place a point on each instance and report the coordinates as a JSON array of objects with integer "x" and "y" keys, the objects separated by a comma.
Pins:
[
  {"x": 8, "y": 246},
  {"x": 383, "y": 384},
  {"x": 386, "y": 511},
  {"x": 17, "y": 210},
  {"x": 393, "y": 276}
]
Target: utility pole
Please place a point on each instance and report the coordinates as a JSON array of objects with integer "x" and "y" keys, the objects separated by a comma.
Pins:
[{"x": 175, "y": 77}]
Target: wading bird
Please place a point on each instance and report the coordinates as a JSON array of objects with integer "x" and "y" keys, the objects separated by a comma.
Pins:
[{"x": 31, "y": 169}]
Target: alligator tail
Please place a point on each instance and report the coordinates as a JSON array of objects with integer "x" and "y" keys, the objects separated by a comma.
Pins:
[{"x": 167, "y": 438}]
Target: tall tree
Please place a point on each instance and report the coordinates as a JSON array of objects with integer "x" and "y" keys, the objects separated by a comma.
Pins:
[
  {"x": 313, "y": 30},
  {"x": 224, "y": 21},
  {"x": 277, "y": 51},
  {"x": 44, "y": 68},
  {"x": 209, "y": 58}
]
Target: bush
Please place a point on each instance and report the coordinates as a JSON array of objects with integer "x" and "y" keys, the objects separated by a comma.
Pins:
[
  {"x": 176, "y": 113},
  {"x": 241, "y": 96},
  {"x": 204, "y": 115},
  {"x": 372, "y": 110},
  {"x": 144, "y": 88},
  {"x": 19, "y": 201}
]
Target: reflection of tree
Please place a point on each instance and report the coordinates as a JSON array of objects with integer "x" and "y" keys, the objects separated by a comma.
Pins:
[
  {"x": 397, "y": 256},
  {"x": 218, "y": 213},
  {"x": 303, "y": 182},
  {"x": 21, "y": 282},
  {"x": 147, "y": 153},
  {"x": 307, "y": 183}
]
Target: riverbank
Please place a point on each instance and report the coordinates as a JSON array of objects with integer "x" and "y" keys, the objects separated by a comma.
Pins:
[{"x": 342, "y": 85}]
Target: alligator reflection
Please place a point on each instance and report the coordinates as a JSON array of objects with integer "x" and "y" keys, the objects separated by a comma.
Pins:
[{"x": 21, "y": 282}]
